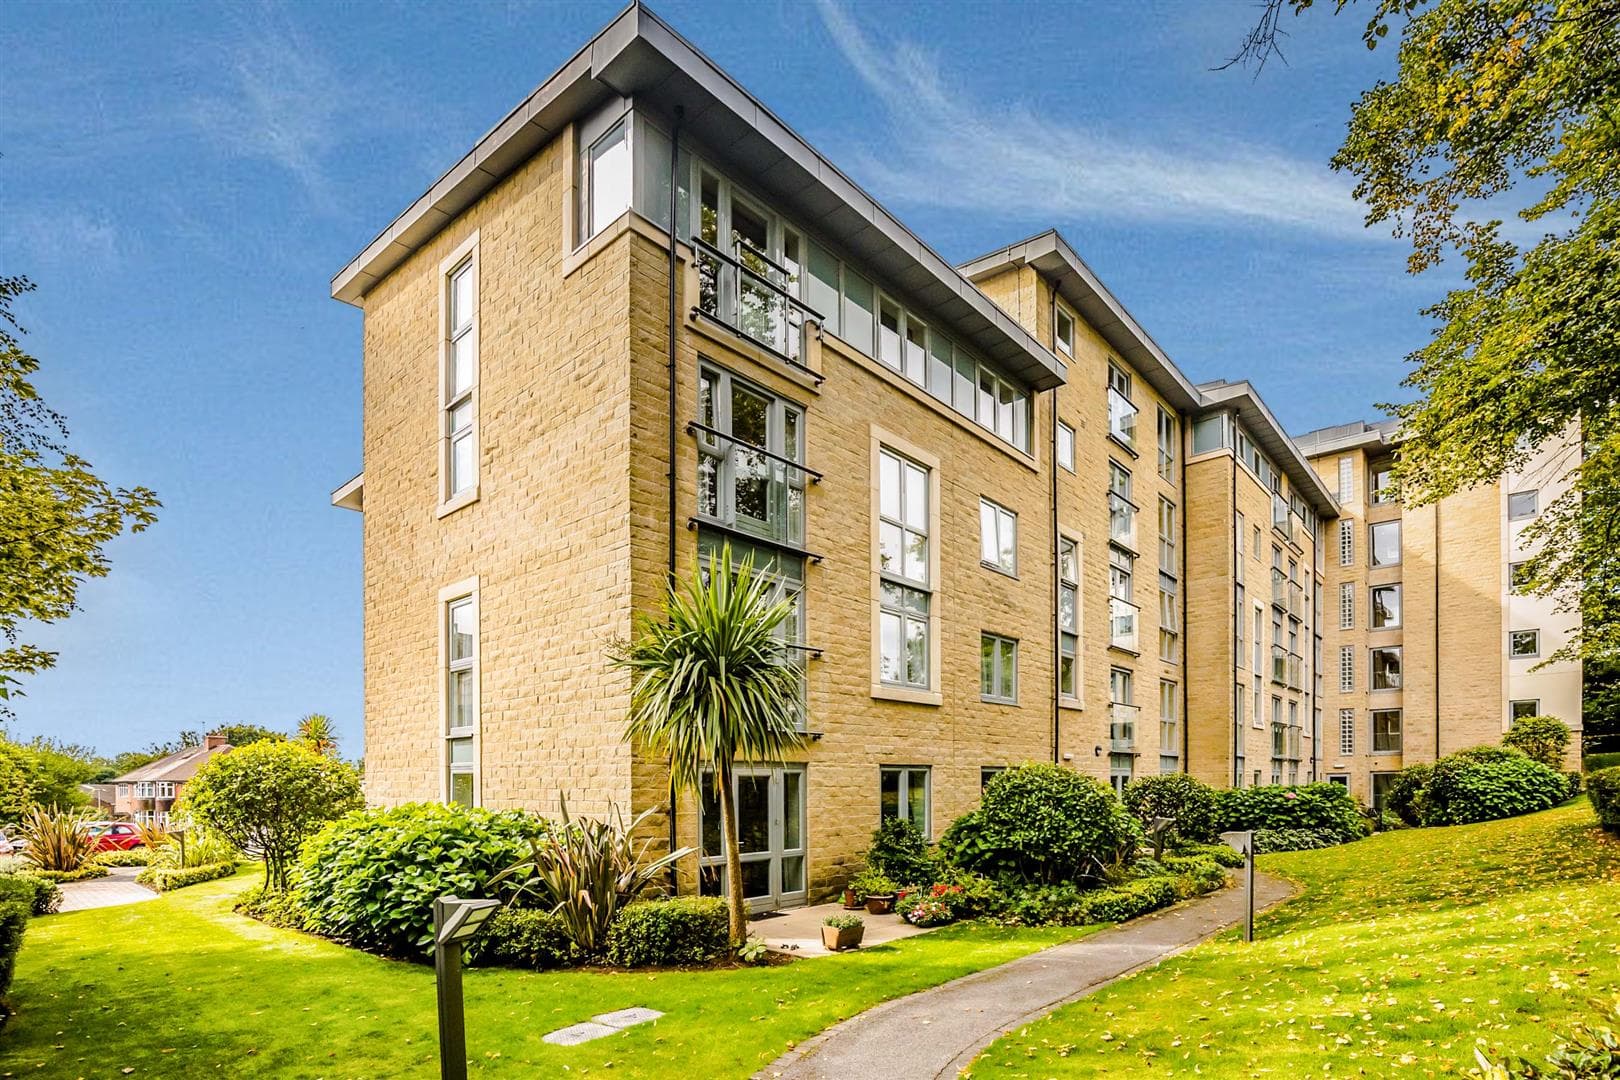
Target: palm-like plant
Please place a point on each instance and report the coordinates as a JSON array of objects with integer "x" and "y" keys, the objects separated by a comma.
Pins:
[
  {"x": 57, "y": 840},
  {"x": 713, "y": 686},
  {"x": 316, "y": 732}
]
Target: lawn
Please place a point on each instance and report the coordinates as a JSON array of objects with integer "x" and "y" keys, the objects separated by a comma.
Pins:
[
  {"x": 1401, "y": 952},
  {"x": 181, "y": 986}
]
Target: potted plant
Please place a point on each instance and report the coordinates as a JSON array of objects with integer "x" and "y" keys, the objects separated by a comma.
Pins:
[
  {"x": 874, "y": 890},
  {"x": 852, "y": 899},
  {"x": 840, "y": 932}
]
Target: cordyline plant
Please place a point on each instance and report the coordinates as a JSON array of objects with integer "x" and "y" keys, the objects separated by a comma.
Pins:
[
  {"x": 56, "y": 840},
  {"x": 712, "y": 686}
]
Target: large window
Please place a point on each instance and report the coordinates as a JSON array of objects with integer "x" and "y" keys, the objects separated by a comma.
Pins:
[
  {"x": 607, "y": 178},
  {"x": 1122, "y": 608},
  {"x": 1386, "y": 607},
  {"x": 998, "y": 537},
  {"x": 748, "y": 456},
  {"x": 1385, "y": 668},
  {"x": 1382, "y": 487},
  {"x": 1068, "y": 617},
  {"x": 998, "y": 669},
  {"x": 1386, "y": 731},
  {"x": 1347, "y": 731},
  {"x": 904, "y": 569},
  {"x": 903, "y": 793},
  {"x": 461, "y": 697},
  {"x": 1524, "y": 644},
  {"x": 783, "y": 569},
  {"x": 1347, "y": 482},
  {"x": 1167, "y": 536},
  {"x": 1065, "y": 446},
  {"x": 458, "y": 394},
  {"x": 1121, "y": 510},
  {"x": 1347, "y": 542},
  {"x": 1169, "y": 620},
  {"x": 1063, "y": 333},
  {"x": 1121, "y": 413},
  {"x": 1169, "y": 444},
  {"x": 1522, "y": 504},
  {"x": 1169, "y": 726},
  {"x": 1385, "y": 542}
]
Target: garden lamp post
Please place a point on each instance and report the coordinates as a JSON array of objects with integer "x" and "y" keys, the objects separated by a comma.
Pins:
[
  {"x": 455, "y": 922},
  {"x": 1243, "y": 844}
]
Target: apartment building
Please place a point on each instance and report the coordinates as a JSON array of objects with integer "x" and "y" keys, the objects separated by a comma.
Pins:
[{"x": 1429, "y": 649}]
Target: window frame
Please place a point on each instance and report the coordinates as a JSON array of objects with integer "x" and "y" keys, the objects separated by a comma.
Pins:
[
  {"x": 1000, "y": 519},
  {"x": 927, "y": 693},
  {"x": 1347, "y": 669},
  {"x": 724, "y": 450},
  {"x": 1065, "y": 460},
  {"x": 1513, "y": 708},
  {"x": 462, "y": 261},
  {"x": 451, "y": 597},
  {"x": 1397, "y": 734},
  {"x": 903, "y": 777},
  {"x": 1347, "y": 732},
  {"x": 1000, "y": 647},
  {"x": 1534, "y": 495},
  {"x": 1373, "y": 673},
  {"x": 588, "y": 226},
  {"x": 1372, "y": 543},
  {"x": 1372, "y": 606},
  {"x": 1069, "y": 637},
  {"x": 1347, "y": 542},
  {"x": 1169, "y": 432},
  {"x": 1347, "y": 605},
  {"x": 1535, "y": 639},
  {"x": 1063, "y": 342}
]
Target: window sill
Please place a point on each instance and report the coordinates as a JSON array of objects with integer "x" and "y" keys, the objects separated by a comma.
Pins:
[
  {"x": 1123, "y": 649},
  {"x": 998, "y": 701},
  {"x": 996, "y": 568},
  {"x": 1072, "y": 704},
  {"x": 456, "y": 502},
  {"x": 908, "y": 695}
]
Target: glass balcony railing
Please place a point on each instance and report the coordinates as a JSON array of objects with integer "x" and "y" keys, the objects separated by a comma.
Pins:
[
  {"x": 1279, "y": 589},
  {"x": 1279, "y": 665},
  {"x": 1282, "y": 519},
  {"x": 1122, "y": 728},
  {"x": 1296, "y": 671},
  {"x": 1122, "y": 623},
  {"x": 1121, "y": 418},
  {"x": 750, "y": 294},
  {"x": 1296, "y": 601},
  {"x": 1121, "y": 520}
]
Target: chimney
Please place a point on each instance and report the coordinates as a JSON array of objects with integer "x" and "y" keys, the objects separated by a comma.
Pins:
[{"x": 214, "y": 741}]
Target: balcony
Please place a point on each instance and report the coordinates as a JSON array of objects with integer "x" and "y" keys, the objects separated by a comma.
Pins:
[
  {"x": 1296, "y": 601},
  {"x": 1279, "y": 590},
  {"x": 749, "y": 488},
  {"x": 748, "y": 293},
  {"x": 1122, "y": 419},
  {"x": 1121, "y": 520},
  {"x": 1122, "y": 728},
  {"x": 1122, "y": 624},
  {"x": 1282, "y": 519},
  {"x": 1279, "y": 665},
  {"x": 1296, "y": 671}
]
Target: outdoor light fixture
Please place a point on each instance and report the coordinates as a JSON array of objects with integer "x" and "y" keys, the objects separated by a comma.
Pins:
[
  {"x": 455, "y": 922},
  {"x": 1243, "y": 844}
]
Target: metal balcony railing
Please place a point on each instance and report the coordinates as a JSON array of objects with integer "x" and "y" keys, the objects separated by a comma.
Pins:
[
  {"x": 1296, "y": 601},
  {"x": 1121, "y": 418},
  {"x": 1296, "y": 671},
  {"x": 748, "y": 293}
]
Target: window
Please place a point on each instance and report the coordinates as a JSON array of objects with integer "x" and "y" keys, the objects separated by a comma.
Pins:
[
  {"x": 1347, "y": 542},
  {"x": 144, "y": 789},
  {"x": 1169, "y": 620},
  {"x": 785, "y": 571},
  {"x": 1064, "y": 332},
  {"x": 998, "y": 669},
  {"x": 1382, "y": 488},
  {"x": 607, "y": 178},
  {"x": 1347, "y": 731},
  {"x": 1122, "y": 726},
  {"x": 1524, "y": 644},
  {"x": 1347, "y": 605},
  {"x": 1169, "y": 727},
  {"x": 1347, "y": 669},
  {"x": 1167, "y": 536},
  {"x": 746, "y": 477},
  {"x": 903, "y": 793},
  {"x": 123, "y": 789},
  {"x": 1121, "y": 413},
  {"x": 1385, "y": 667},
  {"x": 1240, "y": 618},
  {"x": 1121, "y": 608},
  {"x": 1065, "y": 446},
  {"x": 1386, "y": 607},
  {"x": 1386, "y": 731},
  {"x": 1519, "y": 576},
  {"x": 1169, "y": 444},
  {"x": 1385, "y": 542},
  {"x": 458, "y": 395},
  {"x": 1211, "y": 433},
  {"x": 165, "y": 789},
  {"x": 1347, "y": 482},
  {"x": 1068, "y": 617},
  {"x": 461, "y": 697},
  {"x": 1522, "y": 504},
  {"x": 1121, "y": 511},
  {"x": 1254, "y": 533},
  {"x": 1523, "y": 710},
  {"x": 1255, "y": 715},
  {"x": 989, "y": 773},
  {"x": 904, "y": 569},
  {"x": 998, "y": 537},
  {"x": 1238, "y": 540}
]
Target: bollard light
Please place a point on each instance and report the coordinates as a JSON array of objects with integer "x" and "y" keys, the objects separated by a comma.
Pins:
[
  {"x": 1243, "y": 844},
  {"x": 455, "y": 922}
]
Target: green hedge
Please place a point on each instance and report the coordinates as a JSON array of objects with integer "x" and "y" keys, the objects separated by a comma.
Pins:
[
  {"x": 1487, "y": 783},
  {"x": 1325, "y": 808},
  {"x": 1267, "y": 841},
  {"x": 1596, "y": 762},
  {"x": 523, "y": 938},
  {"x": 13, "y": 924},
  {"x": 1070, "y": 905},
  {"x": 1203, "y": 872},
  {"x": 132, "y": 857},
  {"x": 41, "y": 896},
  {"x": 683, "y": 931},
  {"x": 1220, "y": 854},
  {"x": 1603, "y": 787},
  {"x": 160, "y": 880},
  {"x": 84, "y": 873}
]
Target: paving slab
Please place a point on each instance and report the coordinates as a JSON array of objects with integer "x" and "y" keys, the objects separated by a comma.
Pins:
[
  {"x": 574, "y": 1034},
  {"x": 797, "y": 932},
  {"x": 938, "y": 1032},
  {"x": 117, "y": 888},
  {"x": 624, "y": 1018}
]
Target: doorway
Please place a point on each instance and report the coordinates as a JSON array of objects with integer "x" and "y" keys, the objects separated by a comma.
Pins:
[{"x": 770, "y": 837}]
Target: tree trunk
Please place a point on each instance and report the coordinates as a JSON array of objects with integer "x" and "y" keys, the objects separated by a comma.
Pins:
[{"x": 734, "y": 885}]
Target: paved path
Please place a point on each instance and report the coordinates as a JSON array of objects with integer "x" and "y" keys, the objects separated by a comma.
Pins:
[
  {"x": 798, "y": 931},
  {"x": 938, "y": 1032},
  {"x": 118, "y": 887}
]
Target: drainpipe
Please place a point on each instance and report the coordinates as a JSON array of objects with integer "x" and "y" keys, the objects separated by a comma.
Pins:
[
  {"x": 1183, "y": 434},
  {"x": 1057, "y": 573},
  {"x": 1237, "y": 717},
  {"x": 674, "y": 322},
  {"x": 1436, "y": 634}
]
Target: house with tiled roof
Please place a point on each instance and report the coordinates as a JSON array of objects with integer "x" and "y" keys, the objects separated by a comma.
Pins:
[{"x": 147, "y": 794}]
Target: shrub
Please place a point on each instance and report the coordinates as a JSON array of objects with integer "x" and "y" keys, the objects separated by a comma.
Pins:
[
  {"x": 1267, "y": 841},
  {"x": 938, "y": 904},
  {"x": 1044, "y": 823},
  {"x": 269, "y": 797},
  {"x": 1468, "y": 787},
  {"x": 16, "y": 793},
  {"x": 684, "y": 931},
  {"x": 1603, "y": 787},
  {"x": 1541, "y": 738},
  {"x": 195, "y": 847},
  {"x": 1187, "y": 801},
  {"x": 370, "y": 878},
  {"x": 970, "y": 895},
  {"x": 132, "y": 857},
  {"x": 1201, "y": 872},
  {"x": 13, "y": 924},
  {"x": 1401, "y": 796},
  {"x": 843, "y": 922},
  {"x": 1066, "y": 905},
  {"x": 1593, "y": 762},
  {"x": 41, "y": 896},
  {"x": 1325, "y": 807},
  {"x": 900, "y": 853},
  {"x": 57, "y": 841},
  {"x": 523, "y": 938},
  {"x": 275, "y": 908},
  {"x": 929, "y": 912},
  {"x": 871, "y": 882},
  {"x": 1576, "y": 781},
  {"x": 1219, "y": 854},
  {"x": 160, "y": 880},
  {"x": 1591, "y": 1051},
  {"x": 83, "y": 873}
]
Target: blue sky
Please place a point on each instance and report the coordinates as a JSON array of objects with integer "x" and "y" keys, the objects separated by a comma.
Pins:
[{"x": 181, "y": 181}]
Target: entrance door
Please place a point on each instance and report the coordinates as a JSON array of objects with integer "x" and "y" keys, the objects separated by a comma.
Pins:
[{"x": 770, "y": 832}]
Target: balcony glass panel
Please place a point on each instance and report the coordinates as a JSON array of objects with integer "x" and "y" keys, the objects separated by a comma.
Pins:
[
  {"x": 1121, "y": 418},
  {"x": 1122, "y": 620}
]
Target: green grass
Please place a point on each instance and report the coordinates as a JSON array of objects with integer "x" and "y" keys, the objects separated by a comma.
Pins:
[
  {"x": 1401, "y": 952},
  {"x": 182, "y": 986}
]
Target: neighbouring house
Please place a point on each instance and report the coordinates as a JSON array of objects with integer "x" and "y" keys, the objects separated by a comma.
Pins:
[
  {"x": 103, "y": 797},
  {"x": 642, "y": 318},
  {"x": 146, "y": 795}
]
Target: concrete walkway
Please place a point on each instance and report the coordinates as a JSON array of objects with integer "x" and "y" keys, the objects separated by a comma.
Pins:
[
  {"x": 118, "y": 887},
  {"x": 938, "y": 1032}
]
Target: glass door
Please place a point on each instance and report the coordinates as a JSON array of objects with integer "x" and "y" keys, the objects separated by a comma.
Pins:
[{"x": 771, "y": 838}]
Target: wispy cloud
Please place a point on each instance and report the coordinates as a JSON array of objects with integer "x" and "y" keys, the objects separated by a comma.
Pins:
[
  {"x": 952, "y": 152},
  {"x": 65, "y": 235}
]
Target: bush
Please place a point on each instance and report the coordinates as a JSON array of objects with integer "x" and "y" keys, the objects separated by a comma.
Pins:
[
  {"x": 269, "y": 797},
  {"x": 1267, "y": 841},
  {"x": 1325, "y": 807},
  {"x": 843, "y": 922},
  {"x": 1541, "y": 738},
  {"x": 1066, "y": 905},
  {"x": 523, "y": 938},
  {"x": 199, "y": 847},
  {"x": 41, "y": 896},
  {"x": 83, "y": 873},
  {"x": 13, "y": 924},
  {"x": 275, "y": 908},
  {"x": 133, "y": 857},
  {"x": 900, "y": 853},
  {"x": 1401, "y": 796},
  {"x": 1189, "y": 802},
  {"x": 1201, "y": 872},
  {"x": 1577, "y": 783},
  {"x": 1591, "y": 1051},
  {"x": 684, "y": 931},
  {"x": 1219, "y": 854},
  {"x": 1593, "y": 762},
  {"x": 941, "y": 903},
  {"x": 370, "y": 878},
  {"x": 871, "y": 882},
  {"x": 1469, "y": 786},
  {"x": 1603, "y": 787},
  {"x": 1044, "y": 823},
  {"x": 160, "y": 880}
]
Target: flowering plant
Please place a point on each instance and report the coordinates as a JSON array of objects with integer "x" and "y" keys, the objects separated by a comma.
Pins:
[{"x": 929, "y": 912}]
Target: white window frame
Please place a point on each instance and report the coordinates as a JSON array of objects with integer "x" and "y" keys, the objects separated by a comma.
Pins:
[
  {"x": 1063, "y": 341},
  {"x": 1347, "y": 542},
  {"x": 1069, "y": 635},
  {"x": 1003, "y": 652},
  {"x": 905, "y": 775},
  {"x": 1535, "y": 642},
  {"x": 588, "y": 225},
  {"x": 1169, "y": 444},
  {"x": 1347, "y": 731},
  {"x": 1170, "y": 726},
  {"x": 1347, "y": 481},
  {"x": 453, "y": 493},
  {"x": 1065, "y": 446},
  {"x": 1347, "y": 605},
  {"x": 165, "y": 789},
  {"x": 1347, "y": 669},
  {"x": 452, "y": 597},
  {"x": 1169, "y": 619},
  {"x": 998, "y": 533},
  {"x": 884, "y": 443},
  {"x": 1513, "y": 706},
  {"x": 1521, "y": 514}
]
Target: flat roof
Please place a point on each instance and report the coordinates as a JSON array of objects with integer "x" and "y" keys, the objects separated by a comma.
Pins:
[
  {"x": 639, "y": 54},
  {"x": 1353, "y": 436}
]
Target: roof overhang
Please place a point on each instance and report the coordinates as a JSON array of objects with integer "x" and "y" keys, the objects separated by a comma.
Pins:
[
  {"x": 1354, "y": 436},
  {"x": 638, "y": 54},
  {"x": 1050, "y": 255},
  {"x": 1242, "y": 399},
  {"x": 352, "y": 495}
]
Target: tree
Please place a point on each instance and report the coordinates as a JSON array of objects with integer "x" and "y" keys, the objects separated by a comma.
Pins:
[
  {"x": 16, "y": 793},
  {"x": 1542, "y": 738},
  {"x": 316, "y": 732},
  {"x": 1492, "y": 93},
  {"x": 240, "y": 735},
  {"x": 712, "y": 686},
  {"x": 56, "y": 515},
  {"x": 269, "y": 797},
  {"x": 55, "y": 771}
]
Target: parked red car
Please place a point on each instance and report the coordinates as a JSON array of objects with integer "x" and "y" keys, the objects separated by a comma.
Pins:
[{"x": 115, "y": 836}]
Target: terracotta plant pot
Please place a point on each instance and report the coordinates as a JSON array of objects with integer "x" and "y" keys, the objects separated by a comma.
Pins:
[
  {"x": 838, "y": 940},
  {"x": 851, "y": 903},
  {"x": 880, "y": 905}
]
